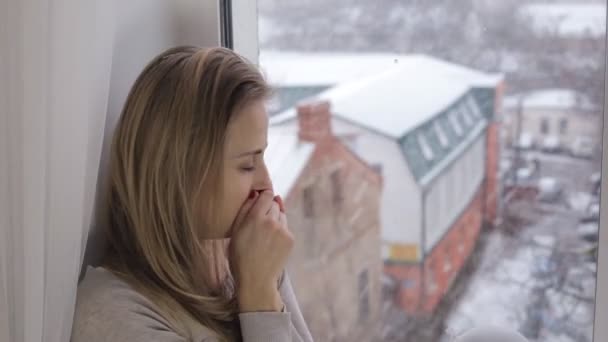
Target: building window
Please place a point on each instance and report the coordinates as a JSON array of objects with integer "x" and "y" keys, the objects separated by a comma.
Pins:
[
  {"x": 308, "y": 203},
  {"x": 563, "y": 126},
  {"x": 336, "y": 184},
  {"x": 363, "y": 295},
  {"x": 473, "y": 107},
  {"x": 443, "y": 139},
  {"x": 427, "y": 151},
  {"x": 453, "y": 117},
  {"x": 544, "y": 126},
  {"x": 466, "y": 114}
]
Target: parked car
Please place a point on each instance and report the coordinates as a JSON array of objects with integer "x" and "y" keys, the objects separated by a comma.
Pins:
[
  {"x": 551, "y": 143},
  {"x": 588, "y": 231},
  {"x": 549, "y": 189},
  {"x": 582, "y": 147},
  {"x": 592, "y": 214},
  {"x": 525, "y": 142},
  {"x": 596, "y": 183}
]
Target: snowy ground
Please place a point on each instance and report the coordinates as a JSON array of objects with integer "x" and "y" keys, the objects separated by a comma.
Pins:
[{"x": 539, "y": 282}]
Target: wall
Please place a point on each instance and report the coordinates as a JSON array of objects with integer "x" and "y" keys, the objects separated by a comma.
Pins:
[
  {"x": 443, "y": 263},
  {"x": 401, "y": 194},
  {"x": 453, "y": 190},
  {"x": 336, "y": 245}
]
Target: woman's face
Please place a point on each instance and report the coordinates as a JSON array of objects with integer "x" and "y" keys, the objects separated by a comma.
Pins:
[{"x": 244, "y": 168}]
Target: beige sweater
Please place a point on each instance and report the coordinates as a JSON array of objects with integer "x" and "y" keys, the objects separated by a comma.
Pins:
[{"x": 108, "y": 309}]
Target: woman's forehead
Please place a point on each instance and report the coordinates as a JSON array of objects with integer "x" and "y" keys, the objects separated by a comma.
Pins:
[{"x": 248, "y": 129}]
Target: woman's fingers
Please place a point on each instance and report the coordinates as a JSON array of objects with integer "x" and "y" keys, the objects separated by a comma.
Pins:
[
  {"x": 279, "y": 200},
  {"x": 263, "y": 204},
  {"x": 275, "y": 211},
  {"x": 245, "y": 209}
]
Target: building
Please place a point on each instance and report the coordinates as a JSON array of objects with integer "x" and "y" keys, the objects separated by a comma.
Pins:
[
  {"x": 553, "y": 120},
  {"x": 429, "y": 126},
  {"x": 332, "y": 199}
]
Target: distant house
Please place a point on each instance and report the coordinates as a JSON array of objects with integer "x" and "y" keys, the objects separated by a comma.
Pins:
[
  {"x": 553, "y": 119},
  {"x": 429, "y": 127},
  {"x": 332, "y": 199}
]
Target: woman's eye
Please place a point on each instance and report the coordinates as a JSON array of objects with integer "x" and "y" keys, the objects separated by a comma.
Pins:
[{"x": 248, "y": 169}]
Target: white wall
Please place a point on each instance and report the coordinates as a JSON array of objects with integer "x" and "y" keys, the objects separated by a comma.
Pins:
[
  {"x": 144, "y": 28},
  {"x": 453, "y": 190},
  {"x": 400, "y": 207}
]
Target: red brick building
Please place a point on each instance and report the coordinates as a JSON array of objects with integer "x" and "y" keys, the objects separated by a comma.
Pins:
[{"x": 332, "y": 198}]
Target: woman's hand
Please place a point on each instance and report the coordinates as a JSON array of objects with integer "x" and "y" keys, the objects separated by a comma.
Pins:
[{"x": 260, "y": 246}]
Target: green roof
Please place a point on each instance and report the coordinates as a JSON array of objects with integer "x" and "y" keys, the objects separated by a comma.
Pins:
[{"x": 429, "y": 144}]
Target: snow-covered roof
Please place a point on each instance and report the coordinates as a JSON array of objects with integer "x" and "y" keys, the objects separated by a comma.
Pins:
[
  {"x": 568, "y": 19},
  {"x": 398, "y": 99},
  {"x": 551, "y": 99},
  {"x": 297, "y": 69},
  {"x": 286, "y": 156}
]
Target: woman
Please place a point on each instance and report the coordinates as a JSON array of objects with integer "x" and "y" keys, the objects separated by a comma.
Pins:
[{"x": 187, "y": 173}]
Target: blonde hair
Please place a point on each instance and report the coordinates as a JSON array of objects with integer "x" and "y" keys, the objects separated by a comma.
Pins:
[{"x": 164, "y": 184}]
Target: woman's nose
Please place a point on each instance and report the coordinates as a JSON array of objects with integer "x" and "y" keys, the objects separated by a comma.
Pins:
[{"x": 263, "y": 181}]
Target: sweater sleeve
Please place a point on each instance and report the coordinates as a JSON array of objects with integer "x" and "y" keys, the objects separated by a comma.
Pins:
[{"x": 287, "y": 326}]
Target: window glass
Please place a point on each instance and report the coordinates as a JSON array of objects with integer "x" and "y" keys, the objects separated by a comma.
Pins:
[{"x": 484, "y": 118}]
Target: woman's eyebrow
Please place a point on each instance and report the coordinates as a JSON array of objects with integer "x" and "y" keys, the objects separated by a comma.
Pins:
[{"x": 254, "y": 152}]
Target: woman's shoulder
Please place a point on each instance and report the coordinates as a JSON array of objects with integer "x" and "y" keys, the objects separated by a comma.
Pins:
[{"x": 109, "y": 309}]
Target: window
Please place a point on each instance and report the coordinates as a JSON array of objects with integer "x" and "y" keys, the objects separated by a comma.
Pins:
[
  {"x": 364, "y": 296},
  {"x": 563, "y": 126},
  {"x": 468, "y": 120},
  {"x": 307, "y": 202},
  {"x": 336, "y": 184},
  {"x": 454, "y": 120},
  {"x": 443, "y": 139},
  {"x": 473, "y": 107},
  {"x": 544, "y": 126},
  {"x": 427, "y": 152},
  {"x": 416, "y": 85}
]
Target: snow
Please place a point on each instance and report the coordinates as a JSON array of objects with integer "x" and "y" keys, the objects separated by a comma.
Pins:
[
  {"x": 568, "y": 19},
  {"x": 291, "y": 69},
  {"x": 285, "y": 158},
  {"x": 579, "y": 201},
  {"x": 392, "y": 102}
]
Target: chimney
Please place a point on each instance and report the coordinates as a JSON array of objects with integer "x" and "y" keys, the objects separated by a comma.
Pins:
[{"x": 314, "y": 121}]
